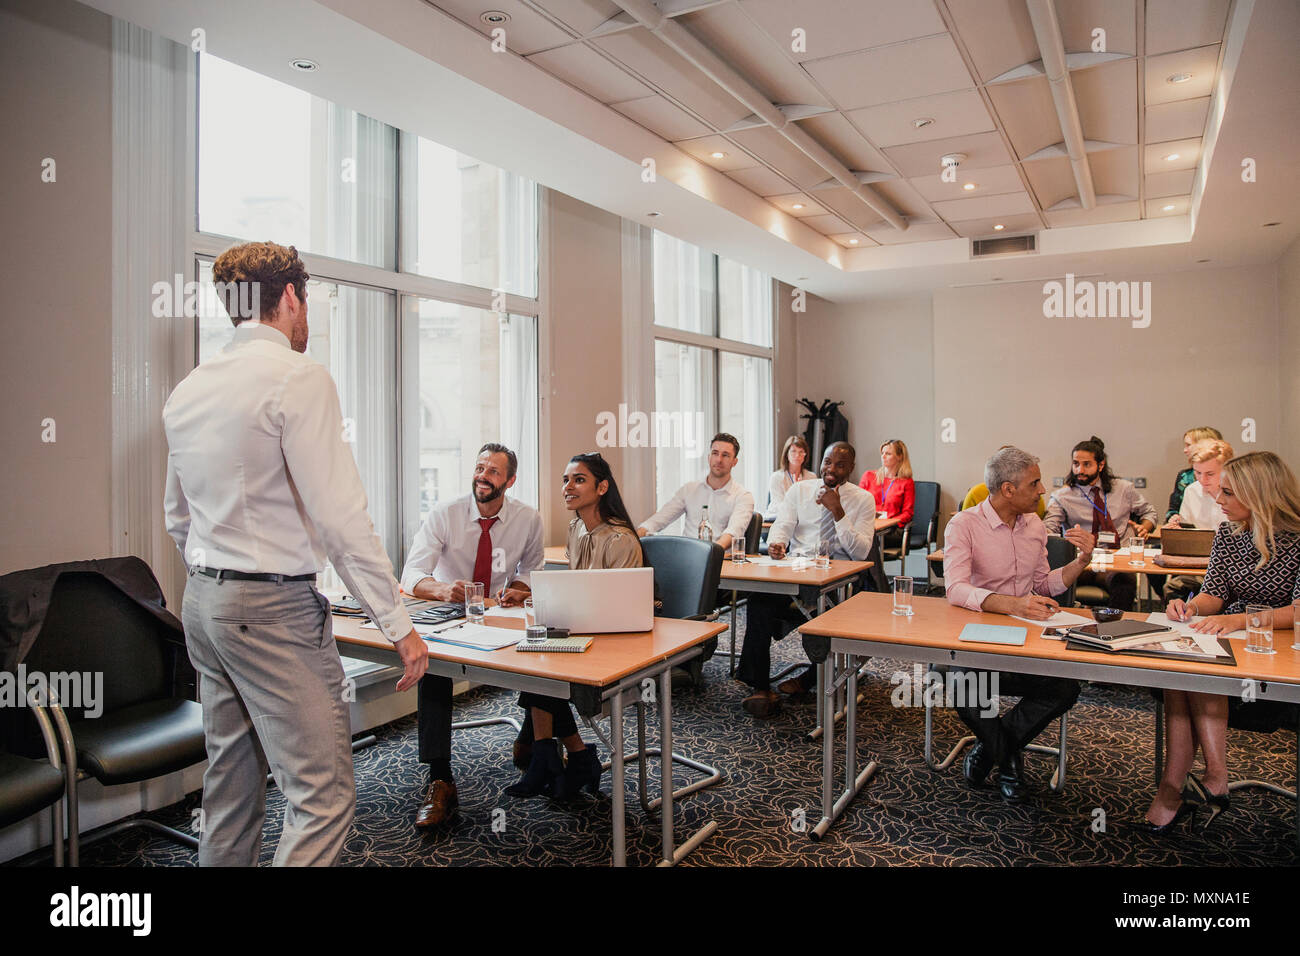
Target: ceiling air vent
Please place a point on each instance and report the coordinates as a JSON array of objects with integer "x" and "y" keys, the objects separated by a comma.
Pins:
[{"x": 1002, "y": 246}]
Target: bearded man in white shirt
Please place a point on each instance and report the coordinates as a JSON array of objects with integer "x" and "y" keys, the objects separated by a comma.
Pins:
[
  {"x": 261, "y": 489},
  {"x": 488, "y": 538}
]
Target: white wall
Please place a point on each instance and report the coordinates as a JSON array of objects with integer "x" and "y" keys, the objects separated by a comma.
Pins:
[{"x": 1288, "y": 307}]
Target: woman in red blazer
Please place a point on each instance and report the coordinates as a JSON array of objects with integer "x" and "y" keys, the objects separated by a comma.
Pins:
[{"x": 894, "y": 491}]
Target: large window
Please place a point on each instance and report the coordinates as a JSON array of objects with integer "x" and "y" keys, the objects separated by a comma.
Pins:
[
  {"x": 407, "y": 304},
  {"x": 713, "y": 365}
]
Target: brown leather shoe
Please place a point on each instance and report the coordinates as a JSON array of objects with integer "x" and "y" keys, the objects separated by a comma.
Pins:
[
  {"x": 792, "y": 686},
  {"x": 439, "y": 804},
  {"x": 763, "y": 704}
]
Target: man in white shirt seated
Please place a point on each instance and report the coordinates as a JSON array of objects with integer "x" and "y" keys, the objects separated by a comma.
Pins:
[
  {"x": 833, "y": 508},
  {"x": 730, "y": 506},
  {"x": 1200, "y": 508},
  {"x": 484, "y": 537}
]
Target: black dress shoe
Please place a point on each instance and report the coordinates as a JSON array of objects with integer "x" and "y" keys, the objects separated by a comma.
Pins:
[
  {"x": 1011, "y": 779},
  {"x": 976, "y": 766}
]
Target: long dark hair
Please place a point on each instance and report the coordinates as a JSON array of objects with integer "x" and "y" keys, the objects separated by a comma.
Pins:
[
  {"x": 1097, "y": 448},
  {"x": 611, "y": 505}
]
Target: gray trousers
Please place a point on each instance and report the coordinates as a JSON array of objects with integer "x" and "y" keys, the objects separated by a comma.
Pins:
[{"x": 271, "y": 685}]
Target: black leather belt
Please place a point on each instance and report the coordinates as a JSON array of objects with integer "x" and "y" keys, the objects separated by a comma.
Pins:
[{"x": 221, "y": 574}]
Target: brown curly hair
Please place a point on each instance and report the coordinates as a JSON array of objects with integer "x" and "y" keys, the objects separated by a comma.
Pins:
[{"x": 268, "y": 267}]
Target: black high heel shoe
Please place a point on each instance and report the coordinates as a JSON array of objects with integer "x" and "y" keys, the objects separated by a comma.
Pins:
[
  {"x": 582, "y": 771},
  {"x": 1215, "y": 803},
  {"x": 1160, "y": 829},
  {"x": 545, "y": 773}
]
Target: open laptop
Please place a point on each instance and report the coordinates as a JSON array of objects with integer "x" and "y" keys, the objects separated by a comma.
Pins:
[
  {"x": 595, "y": 602},
  {"x": 1186, "y": 542}
]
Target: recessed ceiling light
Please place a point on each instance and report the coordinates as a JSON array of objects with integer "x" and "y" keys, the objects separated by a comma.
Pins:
[
  {"x": 1202, "y": 260},
  {"x": 853, "y": 242},
  {"x": 997, "y": 278},
  {"x": 652, "y": 215},
  {"x": 1178, "y": 78},
  {"x": 1171, "y": 157},
  {"x": 801, "y": 279},
  {"x": 998, "y": 227},
  {"x": 921, "y": 122},
  {"x": 797, "y": 205},
  {"x": 1168, "y": 208},
  {"x": 717, "y": 154},
  {"x": 494, "y": 17},
  {"x": 1272, "y": 224},
  {"x": 304, "y": 65},
  {"x": 968, "y": 186}
]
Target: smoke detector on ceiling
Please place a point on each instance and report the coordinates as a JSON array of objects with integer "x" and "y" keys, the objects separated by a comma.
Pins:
[{"x": 952, "y": 160}]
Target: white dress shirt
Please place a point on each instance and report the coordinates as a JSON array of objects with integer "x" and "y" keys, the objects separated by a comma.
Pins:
[
  {"x": 777, "y": 486},
  {"x": 798, "y": 523},
  {"x": 1199, "y": 509},
  {"x": 730, "y": 508},
  {"x": 259, "y": 478},
  {"x": 446, "y": 546}
]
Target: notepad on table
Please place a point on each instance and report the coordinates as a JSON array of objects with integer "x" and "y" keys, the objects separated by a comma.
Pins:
[
  {"x": 993, "y": 634},
  {"x": 557, "y": 645}
]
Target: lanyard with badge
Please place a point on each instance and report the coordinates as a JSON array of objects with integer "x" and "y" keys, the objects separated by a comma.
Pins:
[
  {"x": 883, "y": 514},
  {"x": 1107, "y": 540}
]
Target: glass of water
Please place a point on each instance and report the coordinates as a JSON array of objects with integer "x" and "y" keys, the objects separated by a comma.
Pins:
[
  {"x": 737, "y": 550},
  {"x": 903, "y": 596},
  {"x": 823, "y": 555},
  {"x": 535, "y": 634},
  {"x": 1135, "y": 549},
  {"x": 1259, "y": 629},
  {"x": 474, "y": 607},
  {"x": 1295, "y": 626},
  {"x": 530, "y": 613}
]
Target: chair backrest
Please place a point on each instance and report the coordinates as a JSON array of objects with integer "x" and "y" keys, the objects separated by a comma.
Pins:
[
  {"x": 91, "y": 628},
  {"x": 926, "y": 499},
  {"x": 754, "y": 533},
  {"x": 687, "y": 571},
  {"x": 1060, "y": 553}
]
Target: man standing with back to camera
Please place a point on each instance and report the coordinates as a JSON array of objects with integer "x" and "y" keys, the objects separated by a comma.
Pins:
[{"x": 261, "y": 488}]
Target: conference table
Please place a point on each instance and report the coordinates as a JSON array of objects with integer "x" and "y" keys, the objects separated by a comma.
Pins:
[
  {"x": 616, "y": 672},
  {"x": 865, "y": 626}
]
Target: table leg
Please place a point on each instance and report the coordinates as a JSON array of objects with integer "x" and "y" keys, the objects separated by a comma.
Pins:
[
  {"x": 731, "y": 664},
  {"x": 616, "y": 761},
  {"x": 665, "y": 763},
  {"x": 826, "y": 706}
]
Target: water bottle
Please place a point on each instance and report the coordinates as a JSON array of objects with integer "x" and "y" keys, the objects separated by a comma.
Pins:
[{"x": 705, "y": 532}]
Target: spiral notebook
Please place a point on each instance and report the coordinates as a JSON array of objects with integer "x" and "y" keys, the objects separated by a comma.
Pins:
[{"x": 557, "y": 645}]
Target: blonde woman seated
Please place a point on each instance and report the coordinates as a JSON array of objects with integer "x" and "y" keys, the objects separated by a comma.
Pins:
[
  {"x": 894, "y": 490},
  {"x": 1255, "y": 560},
  {"x": 794, "y": 454}
]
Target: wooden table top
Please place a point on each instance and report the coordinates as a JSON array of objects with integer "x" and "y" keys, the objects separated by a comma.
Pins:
[
  {"x": 610, "y": 658},
  {"x": 773, "y": 574},
  {"x": 935, "y": 623},
  {"x": 1120, "y": 563}
]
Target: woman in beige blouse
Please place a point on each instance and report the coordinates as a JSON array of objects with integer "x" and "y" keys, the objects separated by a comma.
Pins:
[{"x": 600, "y": 536}]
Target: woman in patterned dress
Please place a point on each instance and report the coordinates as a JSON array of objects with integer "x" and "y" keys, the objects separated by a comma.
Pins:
[{"x": 1255, "y": 560}]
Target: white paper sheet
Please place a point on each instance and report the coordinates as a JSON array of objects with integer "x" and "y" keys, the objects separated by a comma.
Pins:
[
  {"x": 516, "y": 612},
  {"x": 1059, "y": 619},
  {"x": 1207, "y": 643}
]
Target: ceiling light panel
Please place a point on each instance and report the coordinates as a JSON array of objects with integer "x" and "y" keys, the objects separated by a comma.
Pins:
[
  {"x": 997, "y": 34},
  {"x": 1156, "y": 207},
  {"x": 590, "y": 72},
  {"x": 1155, "y": 159},
  {"x": 787, "y": 201},
  {"x": 703, "y": 147},
  {"x": 954, "y": 114},
  {"x": 1184, "y": 24},
  {"x": 902, "y": 71},
  {"x": 1201, "y": 63},
  {"x": 1012, "y": 226},
  {"x": 832, "y": 27}
]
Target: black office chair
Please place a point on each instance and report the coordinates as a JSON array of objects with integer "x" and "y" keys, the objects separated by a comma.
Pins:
[
  {"x": 922, "y": 532},
  {"x": 687, "y": 572},
  {"x": 146, "y": 728},
  {"x": 754, "y": 533},
  {"x": 29, "y": 785},
  {"x": 1059, "y": 553}
]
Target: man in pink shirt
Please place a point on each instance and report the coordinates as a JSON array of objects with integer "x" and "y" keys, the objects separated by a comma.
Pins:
[{"x": 995, "y": 559}]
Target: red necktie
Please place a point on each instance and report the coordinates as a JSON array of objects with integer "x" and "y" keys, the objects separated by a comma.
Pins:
[
  {"x": 1100, "y": 516},
  {"x": 483, "y": 560}
]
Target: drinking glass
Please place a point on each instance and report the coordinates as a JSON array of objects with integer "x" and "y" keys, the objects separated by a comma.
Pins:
[
  {"x": 530, "y": 613},
  {"x": 474, "y": 606},
  {"x": 1259, "y": 629},
  {"x": 823, "y": 555},
  {"x": 1295, "y": 626},
  {"x": 535, "y": 634},
  {"x": 1134, "y": 545},
  {"x": 903, "y": 596},
  {"x": 738, "y": 550}
]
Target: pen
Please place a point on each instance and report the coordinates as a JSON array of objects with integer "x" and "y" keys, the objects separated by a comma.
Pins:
[{"x": 1188, "y": 605}]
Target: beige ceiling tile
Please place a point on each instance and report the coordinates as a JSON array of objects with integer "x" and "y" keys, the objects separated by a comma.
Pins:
[
  {"x": 582, "y": 16},
  {"x": 989, "y": 182},
  {"x": 526, "y": 32},
  {"x": 838, "y": 135},
  {"x": 647, "y": 56},
  {"x": 983, "y": 228},
  {"x": 1176, "y": 183},
  {"x": 1115, "y": 212},
  {"x": 922, "y": 159},
  {"x": 740, "y": 42},
  {"x": 832, "y": 27},
  {"x": 904, "y": 197},
  {"x": 702, "y": 149},
  {"x": 1184, "y": 24},
  {"x": 1168, "y": 206},
  {"x": 1115, "y": 172},
  {"x": 902, "y": 71},
  {"x": 1156, "y": 159},
  {"x": 954, "y": 114},
  {"x": 826, "y": 225},
  {"x": 761, "y": 180},
  {"x": 1052, "y": 180},
  {"x": 915, "y": 232},
  {"x": 1201, "y": 63},
  {"x": 662, "y": 118},
  {"x": 778, "y": 152},
  {"x": 1107, "y": 101},
  {"x": 1079, "y": 18},
  {"x": 1178, "y": 120},
  {"x": 848, "y": 206},
  {"x": 787, "y": 201},
  {"x": 1028, "y": 114},
  {"x": 997, "y": 33},
  {"x": 1007, "y": 204},
  {"x": 580, "y": 66}
]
